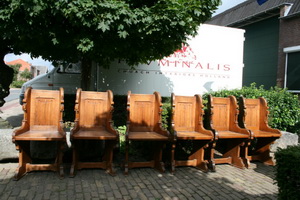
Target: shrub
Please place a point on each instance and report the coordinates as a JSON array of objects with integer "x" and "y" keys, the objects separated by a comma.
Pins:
[
  {"x": 288, "y": 172},
  {"x": 166, "y": 113},
  {"x": 283, "y": 105},
  {"x": 26, "y": 74},
  {"x": 17, "y": 84}
]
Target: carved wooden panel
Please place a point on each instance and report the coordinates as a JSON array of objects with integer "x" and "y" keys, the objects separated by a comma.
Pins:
[
  {"x": 185, "y": 115},
  {"x": 221, "y": 113},
  {"x": 142, "y": 109},
  {"x": 44, "y": 108},
  {"x": 252, "y": 117},
  {"x": 93, "y": 109}
]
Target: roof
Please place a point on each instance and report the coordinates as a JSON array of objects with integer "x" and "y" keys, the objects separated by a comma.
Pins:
[
  {"x": 24, "y": 64},
  {"x": 249, "y": 12}
]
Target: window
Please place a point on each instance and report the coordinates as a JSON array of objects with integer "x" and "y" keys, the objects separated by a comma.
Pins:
[
  {"x": 74, "y": 68},
  {"x": 292, "y": 69}
]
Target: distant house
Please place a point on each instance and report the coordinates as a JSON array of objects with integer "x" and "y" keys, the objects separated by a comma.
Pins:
[
  {"x": 24, "y": 64},
  {"x": 272, "y": 41},
  {"x": 35, "y": 70}
]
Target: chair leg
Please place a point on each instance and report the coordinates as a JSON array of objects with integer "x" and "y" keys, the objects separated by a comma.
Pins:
[
  {"x": 108, "y": 156},
  {"x": 157, "y": 157},
  {"x": 198, "y": 155},
  {"x": 126, "y": 158},
  {"x": 209, "y": 156},
  {"x": 262, "y": 151},
  {"x": 73, "y": 169},
  {"x": 173, "y": 146},
  {"x": 244, "y": 154},
  {"x": 59, "y": 161},
  {"x": 233, "y": 151},
  {"x": 24, "y": 158}
]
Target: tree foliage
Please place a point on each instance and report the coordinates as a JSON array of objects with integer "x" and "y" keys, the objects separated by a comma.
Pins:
[
  {"x": 101, "y": 30},
  {"x": 16, "y": 68},
  {"x": 133, "y": 30}
]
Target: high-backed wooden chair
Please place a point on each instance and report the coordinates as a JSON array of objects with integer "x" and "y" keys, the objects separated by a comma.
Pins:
[
  {"x": 254, "y": 116},
  {"x": 223, "y": 115},
  {"x": 42, "y": 122},
  {"x": 144, "y": 124},
  {"x": 187, "y": 125},
  {"x": 94, "y": 122}
]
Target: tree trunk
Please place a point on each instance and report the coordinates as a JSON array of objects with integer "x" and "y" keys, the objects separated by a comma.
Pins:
[
  {"x": 86, "y": 69},
  {"x": 6, "y": 78}
]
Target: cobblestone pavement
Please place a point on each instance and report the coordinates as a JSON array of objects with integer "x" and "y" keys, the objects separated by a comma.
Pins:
[{"x": 144, "y": 183}]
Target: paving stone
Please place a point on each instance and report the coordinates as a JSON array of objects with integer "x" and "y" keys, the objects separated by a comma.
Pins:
[{"x": 188, "y": 183}]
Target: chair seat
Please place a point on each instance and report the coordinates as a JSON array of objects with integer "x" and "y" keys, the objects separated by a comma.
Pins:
[
  {"x": 40, "y": 135},
  {"x": 258, "y": 133},
  {"x": 231, "y": 134},
  {"x": 146, "y": 136},
  {"x": 94, "y": 135},
  {"x": 192, "y": 135}
]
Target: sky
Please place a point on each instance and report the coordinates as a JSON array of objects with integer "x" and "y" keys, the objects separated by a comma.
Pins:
[{"x": 226, "y": 4}]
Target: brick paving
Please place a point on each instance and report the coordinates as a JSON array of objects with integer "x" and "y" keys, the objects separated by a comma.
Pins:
[{"x": 143, "y": 183}]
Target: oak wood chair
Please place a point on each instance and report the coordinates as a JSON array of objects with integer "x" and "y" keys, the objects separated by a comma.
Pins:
[
  {"x": 42, "y": 122},
  {"x": 144, "y": 124},
  {"x": 254, "y": 117},
  {"x": 223, "y": 121},
  {"x": 94, "y": 123},
  {"x": 187, "y": 125}
]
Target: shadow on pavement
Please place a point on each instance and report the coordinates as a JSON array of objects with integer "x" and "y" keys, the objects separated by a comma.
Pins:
[
  {"x": 141, "y": 183},
  {"x": 15, "y": 121}
]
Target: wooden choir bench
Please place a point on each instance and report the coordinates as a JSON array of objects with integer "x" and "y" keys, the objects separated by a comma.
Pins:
[
  {"x": 254, "y": 117},
  {"x": 144, "y": 124},
  {"x": 187, "y": 125},
  {"x": 42, "y": 122},
  {"x": 223, "y": 121},
  {"x": 94, "y": 123}
]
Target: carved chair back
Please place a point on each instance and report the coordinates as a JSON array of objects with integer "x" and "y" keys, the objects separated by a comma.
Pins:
[
  {"x": 44, "y": 109},
  {"x": 187, "y": 112},
  {"x": 94, "y": 109},
  {"x": 144, "y": 111}
]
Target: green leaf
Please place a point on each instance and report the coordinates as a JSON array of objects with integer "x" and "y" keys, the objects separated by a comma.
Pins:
[
  {"x": 103, "y": 26},
  {"x": 123, "y": 34}
]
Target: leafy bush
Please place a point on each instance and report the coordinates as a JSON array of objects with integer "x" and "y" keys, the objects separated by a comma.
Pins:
[
  {"x": 17, "y": 84},
  {"x": 288, "y": 172},
  {"x": 26, "y": 74},
  {"x": 166, "y": 113},
  {"x": 16, "y": 70},
  {"x": 283, "y": 105}
]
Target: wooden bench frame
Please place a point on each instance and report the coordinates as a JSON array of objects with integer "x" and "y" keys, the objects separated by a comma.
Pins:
[
  {"x": 254, "y": 117},
  {"x": 42, "y": 121},
  {"x": 187, "y": 125},
  {"x": 223, "y": 121},
  {"x": 144, "y": 124},
  {"x": 94, "y": 122}
]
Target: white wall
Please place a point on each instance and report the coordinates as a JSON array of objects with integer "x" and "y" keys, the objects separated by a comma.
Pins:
[{"x": 213, "y": 60}]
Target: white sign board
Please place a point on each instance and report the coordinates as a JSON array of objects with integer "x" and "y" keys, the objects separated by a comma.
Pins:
[{"x": 211, "y": 61}]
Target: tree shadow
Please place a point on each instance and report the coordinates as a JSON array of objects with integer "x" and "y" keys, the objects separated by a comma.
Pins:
[
  {"x": 266, "y": 170},
  {"x": 15, "y": 120},
  {"x": 187, "y": 183}
]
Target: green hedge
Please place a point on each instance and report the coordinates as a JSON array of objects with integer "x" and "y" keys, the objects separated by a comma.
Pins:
[
  {"x": 288, "y": 172},
  {"x": 283, "y": 105}
]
